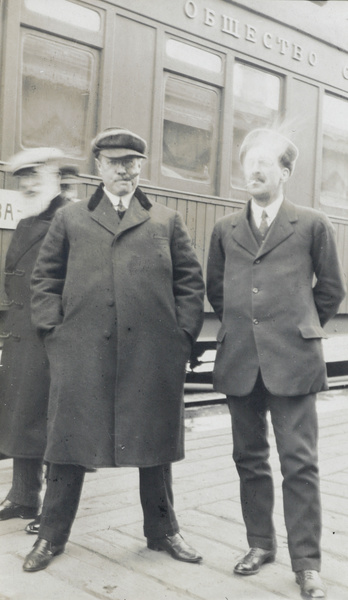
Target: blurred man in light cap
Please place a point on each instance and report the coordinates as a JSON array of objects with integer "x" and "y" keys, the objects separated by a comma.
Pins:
[
  {"x": 118, "y": 297},
  {"x": 261, "y": 267},
  {"x": 24, "y": 375}
]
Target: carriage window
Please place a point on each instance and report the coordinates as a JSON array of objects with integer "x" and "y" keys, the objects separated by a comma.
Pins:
[
  {"x": 256, "y": 99},
  {"x": 58, "y": 95},
  {"x": 334, "y": 179},
  {"x": 194, "y": 56},
  {"x": 67, "y": 12},
  {"x": 190, "y": 131}
]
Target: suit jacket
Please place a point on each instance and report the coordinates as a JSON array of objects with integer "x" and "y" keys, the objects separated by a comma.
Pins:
[
  {"x": 272, "y": 308},
  {"x": 120, "y": 303}
]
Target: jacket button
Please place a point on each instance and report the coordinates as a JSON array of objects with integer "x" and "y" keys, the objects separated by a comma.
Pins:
[
  {"x": 255, "y": 321},
  {"x": 255, "y": 290},
  {"x": 257, "y": 262}
]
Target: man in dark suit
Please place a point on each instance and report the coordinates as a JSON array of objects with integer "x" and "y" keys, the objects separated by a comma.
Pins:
[
  {"x": 24, "y": 375},
  {"x": 118, "y": 298},
  {"x": 261, "y": 267}
]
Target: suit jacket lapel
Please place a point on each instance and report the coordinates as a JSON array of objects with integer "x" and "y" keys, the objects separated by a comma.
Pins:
[
  {"x": 242, "y": 231},
  {"x": 281, "y": 228}
]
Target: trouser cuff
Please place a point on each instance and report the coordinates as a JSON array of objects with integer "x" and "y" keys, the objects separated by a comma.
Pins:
[
  {"x": 32, "y": 500},
  {"x": 158, "y": 535},
  {"x": 304, "y": 564},
  {"x": 262, "y": 542},
  {"x": 52, "y": 535}
]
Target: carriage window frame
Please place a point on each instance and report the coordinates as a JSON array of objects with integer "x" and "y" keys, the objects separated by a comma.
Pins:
[
  {"x": 334, "y": 201},
  {"x": 237, "y": 185},
  {"x": 89, "y": 128},
  {"x": 206, "y": 183}
]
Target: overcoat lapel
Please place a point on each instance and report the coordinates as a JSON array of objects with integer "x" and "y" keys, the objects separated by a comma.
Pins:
[
  {"x": 105, "y": 214},
  {"x": 135, "y": 215},
  {"x": 33, "y": 229},
  {"x": 32, "y": 232}
]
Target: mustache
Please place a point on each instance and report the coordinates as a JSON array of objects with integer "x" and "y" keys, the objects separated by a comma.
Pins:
[
  {"x": 128, "y": 177},
  {"x": 253, "y": 178}
]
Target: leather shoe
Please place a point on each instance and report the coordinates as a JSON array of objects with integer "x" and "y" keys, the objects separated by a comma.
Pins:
[
  {"x": 253, "y": 560},
  {"x": 311, "y": 584},
  {"x": 41, "y": 555},
  {"x": 176, "y": 546},
  {"x": 11, "y": 510},
  {"x": 34, "y": 526}
]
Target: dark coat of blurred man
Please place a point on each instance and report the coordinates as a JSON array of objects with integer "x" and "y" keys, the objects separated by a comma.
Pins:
[
  {"x": 118, "y": 297},
  {"x": 24, "y": 375},
  {"x": 261, "y": 268}
]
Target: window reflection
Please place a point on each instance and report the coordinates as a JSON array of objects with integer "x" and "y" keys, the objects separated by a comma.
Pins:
[
  {"x": 56, "y": 90},
  {"x": 334, "y": 182},
  {"x": 256, "y": 100},
  {"x": 193, "y": 56},
  {"x": 190, "y": 131},
  {"x": 67, "y": 12}
]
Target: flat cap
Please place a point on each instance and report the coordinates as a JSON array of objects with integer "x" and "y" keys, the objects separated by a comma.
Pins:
[
  {"x": 69, "y": 174},
  {"x": 287, "y": 150},
  {"x": 33, "y": 157},
  {"x": 122, "y": 141}
]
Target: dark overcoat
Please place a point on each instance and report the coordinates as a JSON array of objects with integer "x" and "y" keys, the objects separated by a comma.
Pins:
[
  {"x": 24, "y": 376},
  {"x": 119, "y": 304},
  {"x": 271, "y": 310}
]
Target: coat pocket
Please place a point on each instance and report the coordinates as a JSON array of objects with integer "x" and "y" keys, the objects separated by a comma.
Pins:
[
  {"x": 312, "y": 331},
  {"x": 159, "y": 239},
  {"x": 221, "y": 334}
]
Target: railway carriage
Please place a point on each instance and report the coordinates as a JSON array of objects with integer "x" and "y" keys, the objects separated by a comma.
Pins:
[{"x": 192, "y": 77}]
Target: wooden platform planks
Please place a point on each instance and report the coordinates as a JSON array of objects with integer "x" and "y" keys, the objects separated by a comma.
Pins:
[{"x": 107, "y": 558}]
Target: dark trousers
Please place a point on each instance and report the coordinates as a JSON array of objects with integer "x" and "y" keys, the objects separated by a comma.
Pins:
[
  {"x": 295, "y": 426},
  {"x": 64, "y": 486},
  {"x": 26, "y": 482}
]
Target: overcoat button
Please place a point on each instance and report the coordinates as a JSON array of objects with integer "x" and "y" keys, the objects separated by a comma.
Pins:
[
  {"x": 255, "y": 321},
  {"x": 255, "y": 290},
  {"x": 111, "y": 302},
  {"x": 107, "y": 334},
  {"x": 257, "y": 262}
]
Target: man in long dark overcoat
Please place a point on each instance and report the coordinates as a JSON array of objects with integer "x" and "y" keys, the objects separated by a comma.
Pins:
[
  {"x": 118, "y": 297},
  {"x": 24, "y": 375},
  {"x": 262, "y": 264}
]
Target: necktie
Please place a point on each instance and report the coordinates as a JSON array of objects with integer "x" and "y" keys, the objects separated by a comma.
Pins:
[
  {"x": 121, "y": 209},
  {"x": 263, "y": 225}
]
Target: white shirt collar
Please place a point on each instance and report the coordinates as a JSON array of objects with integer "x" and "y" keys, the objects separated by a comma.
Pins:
[
  {"x": 271, "y": 210},
  {"x": 115, "y": 199}
]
